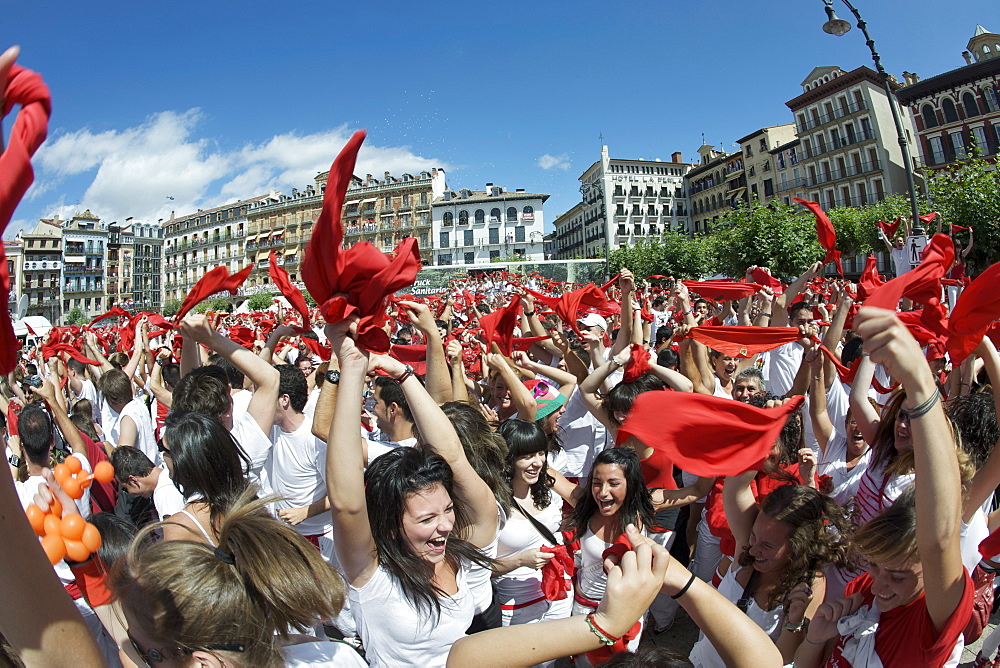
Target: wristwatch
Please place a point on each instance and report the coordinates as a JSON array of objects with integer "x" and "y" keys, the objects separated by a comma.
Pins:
[{"x": 332, "y": 376}]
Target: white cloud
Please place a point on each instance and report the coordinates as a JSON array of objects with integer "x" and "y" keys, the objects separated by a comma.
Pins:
[
  {"x": 560, "y": 161},
  {"x": 135, "y": 170}
]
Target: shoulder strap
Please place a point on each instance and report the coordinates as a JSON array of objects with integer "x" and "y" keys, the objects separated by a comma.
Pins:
[
  {"x": 539, "y": 527},
  {"x": 747, "y": 594}
]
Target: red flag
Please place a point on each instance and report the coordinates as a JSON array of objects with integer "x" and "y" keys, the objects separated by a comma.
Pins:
[
  {"x": 959, "y": 228},
  {"x": 706, "y": 436},
  {"x": 722, "y": 290},
  {"x": 870, "y": 279},
  {"x": 604, "y": 288},
  {"x": 280, "y": 278},
  {"x": 977, "y": 308},
  {"x": 361, "y": 279},
  {"x": 27, "y": 89},
  {"x": 890, "y": 228},
  {"x": 557, "y": 573},
  {"x": 761, "y": 277},
  {"x": 498, "y": 326},
  {"x": 744, "y": 342},
  {"x": 116, "y": 312},
  {"x": 317, "y": 348},
  {"x": 214, "y": 281},
  {"x": 825, "y": 233},
  {"x": 414, "y": 354},
  {"x": 569, "y": 305},
  {"x": 922, "y": 284}
]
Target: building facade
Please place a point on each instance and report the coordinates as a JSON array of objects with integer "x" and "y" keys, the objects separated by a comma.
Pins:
[
  {"x": 84, "y": 247},
  {"x": 788, "y": 171},
  {"x": 479, "y": 226},
  {"x": 568, "y": 241},
  {"x": 957, "y": 113},
  {"x": 41, "y": 269},
  {"x": 849, "y": 152},
  {"x": 195, "y": 244},
  {"x": 145, "y": 261},
  {"x": 14, "y": 251},
  {"x": 711, "y": 187},
  {"x": 760, "y": 176}
]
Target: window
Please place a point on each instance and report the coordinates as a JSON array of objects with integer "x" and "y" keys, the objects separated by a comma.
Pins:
[
  {"x": 950, "y": 113},
  {"x": 423, "y": 198},
  {"x": 957, "y": 144},
  {"x": 511, "y": 214},
  {"x": 519, "y": 234},
  {"x": 763, "y": 144},
  {"x": 519, "y": 252},
  {"x": 979, "y": 136},
  {"x": 779, "y": 160},
  {"x": 494, "y": 255},
  {"x": 388, "y": 201},
  {"x": 480, "y": 216},
  {"x": 494, "y": 215},
  {"x": 866, "y": 129},
  {"x": 494, "y": 235},
  {"x": 970, "y": 104},
  {"x": 528, "y": 213},
  {"x": 930, "y": 118},
  {"x": 468, "y": 237},
  {"x": 406, "y": 200},
  {"x": 470, "y": 258},
  {"x": 990, "y": 95},
  {"x": 445, "y": 240},
  {"x": 768, "y": 188},
  {"x": 449, "y": 219},
  {"x": 463, "y": 217},
  {"x": 444, "y": 258},
  {"x": 619, "y": 191}
]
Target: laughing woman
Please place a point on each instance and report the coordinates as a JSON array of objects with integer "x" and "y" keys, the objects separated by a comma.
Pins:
[
  {"x": 408, "y": 531},
  {"x": 616, "y": 497},
  {"x": 912, "y": 605}
]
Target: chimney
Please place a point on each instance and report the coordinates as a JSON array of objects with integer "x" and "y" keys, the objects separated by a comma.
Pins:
[
  {"x": 968, "y": 57},
  {"x": 368, "y": 177},
  {"x": 676, "y": 157}
]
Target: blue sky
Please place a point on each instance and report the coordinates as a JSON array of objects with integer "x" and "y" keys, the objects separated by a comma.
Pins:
[{"x": 211, "y": 101}]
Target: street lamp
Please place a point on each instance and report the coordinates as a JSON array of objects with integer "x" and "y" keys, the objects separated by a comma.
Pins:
[{"x": 839, "y": 27}]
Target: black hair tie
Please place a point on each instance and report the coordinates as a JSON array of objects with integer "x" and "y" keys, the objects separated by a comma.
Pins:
[{"x": 225, "y": 558}]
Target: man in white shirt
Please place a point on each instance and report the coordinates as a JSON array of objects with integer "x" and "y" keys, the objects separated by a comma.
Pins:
[
  {"x": 131, "y": 422},
  {"x": 81, "y": 387}
]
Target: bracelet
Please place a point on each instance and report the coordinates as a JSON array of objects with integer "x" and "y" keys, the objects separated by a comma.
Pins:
[
  {"x": 764, "y": 315},
  {"x": 406, "y": 374},
  {"x": 601, "y": 634},
  {"x": 817, "y": 377},
  {"x": 922, "y": 409},
  {"x": 529, "y": 313},
  {"x": 795, "y": 628},
  {"x": 686, "y": 587},
  {"x": 813, "y": 642},
  {"x": 617, "y": 364}
]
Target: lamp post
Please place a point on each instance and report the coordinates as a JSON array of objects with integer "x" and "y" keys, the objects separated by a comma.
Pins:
[{"x": 839, "y": 27}]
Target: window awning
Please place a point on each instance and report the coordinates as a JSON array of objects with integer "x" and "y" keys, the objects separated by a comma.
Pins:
[
  {"x": 252, "y": 237},
  {"x": 291, "y": 252},
  {"x": 264, "y": 235}
]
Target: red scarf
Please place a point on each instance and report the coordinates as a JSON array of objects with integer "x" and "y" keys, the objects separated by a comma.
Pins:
[
  {"x": 825, "y": 233},
  {"x": 743, "y": 342},
  {"x": 280, "y": 278}
]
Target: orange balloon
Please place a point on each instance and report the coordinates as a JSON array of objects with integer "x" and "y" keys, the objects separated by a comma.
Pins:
[
  {"x": 72, "y": 487},
  {"x": 55, "y": 507},
  {"x": 73, "y": 464},
  {"x": 76, "y": 550},
  {"x": 52, "y": 526},
  {"x": 36, "y": 518},
  {"x": 54, "y": 548},
  {"x": 91, "y": 537},
  {"x": 104, "y": 472},
  {"x": 61, "y": 472},
  {"x": 72, "y": 527}
]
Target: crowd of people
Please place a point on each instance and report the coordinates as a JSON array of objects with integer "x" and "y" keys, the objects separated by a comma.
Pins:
[{"x": 516, "y": 472}]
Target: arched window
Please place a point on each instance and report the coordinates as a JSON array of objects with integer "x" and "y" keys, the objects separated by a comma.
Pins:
[
  {"x": 449, "y": 218},
  {"x": 495, "y": 215},
  {"x": 930, "y": 117},
  {"x": 950, "y": 113},
  {"x": 480, "y": 216},
  {"x": 511, "y": 215},
  {"x": 463, "y": 217},
  {"x": 970, "y": 104},
  {"x": 528, "y": 212}
]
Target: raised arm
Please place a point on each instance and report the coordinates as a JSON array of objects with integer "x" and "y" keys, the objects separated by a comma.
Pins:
[
  {"x": 438, "y": 377},
  {"x": 566, "y": 380},
  {"x": 345, "y": 462},
  {"x": 938, "y": 484},
  {"x": 862, "y": 410},
  {"x": 264, "y": 376},
  {"x": 987, "y": 478},
  {"x": 779, "y": 316},
  {"x": 459, "y": 390},
  {"x": 822, "y": 426},
  {"x": 69, "y": 431},
  {"x": 281, "y": 331},
  {"x": 440, "y": 436},
  {"x": 520, "y": 396},
  {"x": 590, "y": 386},
  {"x": 741, "y": 507}
]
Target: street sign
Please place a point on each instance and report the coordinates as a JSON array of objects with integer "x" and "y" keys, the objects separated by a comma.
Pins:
[{"x": 915, "y": 248}]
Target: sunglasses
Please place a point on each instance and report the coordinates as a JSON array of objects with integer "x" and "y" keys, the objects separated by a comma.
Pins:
[{"x": 155, "y": 656}]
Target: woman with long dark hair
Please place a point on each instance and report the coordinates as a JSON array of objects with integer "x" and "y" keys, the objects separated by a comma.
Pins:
[
  {"x": 533, "y": 522},
  {"x": 616, "y": 497},
  {"x": 209, "y": 468},
  {"x": 409, "y": 529}
]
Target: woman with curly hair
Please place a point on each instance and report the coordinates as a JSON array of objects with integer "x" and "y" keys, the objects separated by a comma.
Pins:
[
  {"x": 782, "y": 547},
  {"x": 533, "y": 522}
]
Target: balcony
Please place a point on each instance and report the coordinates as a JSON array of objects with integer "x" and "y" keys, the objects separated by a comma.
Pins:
[
  {"x": 863, "y": 136},
  {"x": 825, "y": 119},
  {"x": 852, "y": 170}
]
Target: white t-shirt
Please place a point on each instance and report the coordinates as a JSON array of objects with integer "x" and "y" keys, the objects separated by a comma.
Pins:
[
  {"x": 167, "y": 499},
  {"x": 88, "y": 391},
  {"x": 582, "y": 436},
  {"x": 145, "y": 441},
  {"x": 378, "y": 448},
  {"x": 255, "y": 444},
  {"x": 296, "y": 472},
  {"x": 783, "y": 364},
  {"x": 322, "y": 653},
  {"x": 900, "y": 259},
  {"x": 524, "y": 584},
  {"x": 832, "y": 463},
  {"x": 241, "y": 400},
  {"x": 395, "y": 633}
]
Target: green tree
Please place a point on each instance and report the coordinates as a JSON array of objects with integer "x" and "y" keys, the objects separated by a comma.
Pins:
[
  {"x": 968, "y": 194},
  {"x": 310, "y": 302},
  {"x": 857, "y": 227},
  {"x": 75, "y": 316},
  {"x": 261, "y": 301},
  {"x": 674, "y": 254},
  {"x": 777, "y": 236},
  {"x": 171, "y": 307}
]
